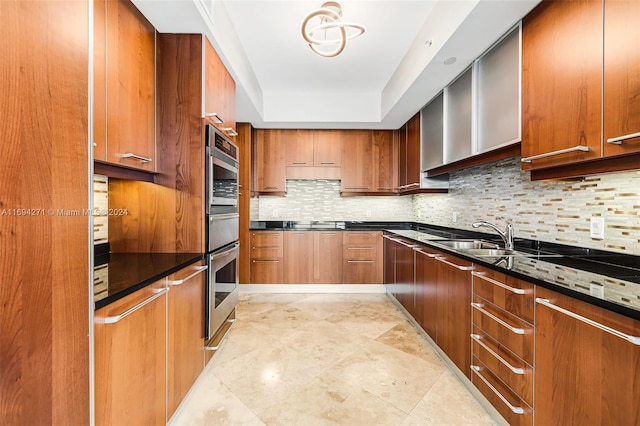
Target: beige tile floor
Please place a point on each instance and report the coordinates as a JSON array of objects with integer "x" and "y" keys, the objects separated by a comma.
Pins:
[{"x": 326, "y": 359}]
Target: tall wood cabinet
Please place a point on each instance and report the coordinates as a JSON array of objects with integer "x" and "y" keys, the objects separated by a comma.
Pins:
[
  {"x": 219, "y": 92},
  {"x": 124, "y": 86},
  {"x": 584, "y": 373}
]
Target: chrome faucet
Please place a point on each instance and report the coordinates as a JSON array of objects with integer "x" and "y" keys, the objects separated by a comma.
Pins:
[{"x": 507, "y": 235}]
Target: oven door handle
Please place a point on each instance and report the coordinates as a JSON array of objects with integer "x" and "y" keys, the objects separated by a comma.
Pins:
[
  {"x": 221, "y": 163},
  {"x": 225, "y": 252},
  {"x": 217, "y": 217}
]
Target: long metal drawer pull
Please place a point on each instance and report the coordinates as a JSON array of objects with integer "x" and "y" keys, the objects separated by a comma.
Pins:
[
  {"x": 359, "y": 248},
  {"x": 516, "y": 370},
  {"x": 425, "y": 253},
  {"x": 554, "y": 153},
  {"x": 462, "y": 268},
  {"x": 498, "y": 283},
  {"x": 359, "y": 261},
  {"x": 137, "y": 157},
  {"x": 357, "y": 187},
  {"x": 299, "y": 162},
  {"x": 632, "y": 339},
  {"x": 406, "y": 244},
  {"x": 114, "y": 319},
  {"x": 515, "y": 330},
  {"x": 215, "y": 115},
  {"x": 327, "y": 162},
  {"x": 265, "y": 261},
  {"x": 515, "y": 410},
  {"x": 182, "y": 281},
  {"x": 619, "y": 139},
  {"x": 380, "y": 188},
  {"x": 271, "y": 187}
]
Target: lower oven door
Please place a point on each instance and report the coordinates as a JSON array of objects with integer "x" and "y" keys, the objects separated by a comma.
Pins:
[{"x": 222, "y": 291}]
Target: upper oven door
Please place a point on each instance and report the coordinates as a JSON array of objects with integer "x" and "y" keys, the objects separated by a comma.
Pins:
[{"x": 222, "y": 183}]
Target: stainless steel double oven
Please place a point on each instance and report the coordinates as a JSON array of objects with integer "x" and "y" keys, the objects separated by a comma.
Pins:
[{"x": 222, "y": 220}]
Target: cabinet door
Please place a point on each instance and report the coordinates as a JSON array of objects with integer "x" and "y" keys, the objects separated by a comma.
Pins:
[
  {"x": 426, "y": 291},
  {"x": 130, "y": 87},
  {"x": 327, "y": 257},
  {"x": 433, "y": 133},
  {"x": 584, "y": 375},
  {"x": 298, "y": 255},
  {"x": 454, "y": 310},
  {"x": 405, "y": 286},
  {"x": 389, "y": 273},
  {"x": 384, "y": 161},
  {"x": 130, "y": 359},
  {"x": 299, "y": 147},
  {"x": 458, "y": 120},
  {"x": 562, "y": 82},
  {"x": 402, "y": 157},
  {"x": 357, "y": 151},
  {"x": 327, "y": 147},
  {"x": 270, "y": 161},
  {"x": 100, "y": 80},
  {"x": 413, "y": 152},
  {"x": 621, "y": 77},
  {"x": 185, "y": 332}
]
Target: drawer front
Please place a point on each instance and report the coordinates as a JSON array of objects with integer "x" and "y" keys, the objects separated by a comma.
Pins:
[
  {"x": 513, "y": 295},
  {"x": 266, "y": 252},
  {"x": 511, "y": 369},
  {"x": 515, "y": 411},
  {"x": 267, "y": 271},
  {"x": 359, "y": 271},
  {"x": 515, "y": 334},
  {"x": 359, "y": 238},
  {"x": 361, "y": 252},
  {"x": 266, "y": 238}
]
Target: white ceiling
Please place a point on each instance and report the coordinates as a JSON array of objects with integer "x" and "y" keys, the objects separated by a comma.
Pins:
[{"x": 380, "y": 80}]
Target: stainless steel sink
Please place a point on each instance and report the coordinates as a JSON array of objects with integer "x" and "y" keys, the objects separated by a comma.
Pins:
[
  {"x": 467, "y": 245},
  {"x": 494, "y": 252}
]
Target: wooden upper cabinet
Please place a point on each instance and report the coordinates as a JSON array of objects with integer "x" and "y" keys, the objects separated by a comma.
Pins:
[
  {"x": 384, "y": 160},
  {"x": 561, "y": 83},
  {"x": 130, "y": 89},
  {"x": 621, "y": 77},
  {"x": 327, "y": 147},
  {"x": 100, "y": 80},
  {"x": 299, "y": 146},
  {"x": 270, "y": 161},
  {"x": 357, "y": 151},
  {"x": 409, "y": 149},
  {"x": 402, "y": 157},
  {"x": 219, "y": 92}
]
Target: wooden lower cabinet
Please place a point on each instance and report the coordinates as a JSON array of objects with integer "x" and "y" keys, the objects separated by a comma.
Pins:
[
  {"x": 427, "y": 290},
  {"x": 405, "y": 281},
  {"x": 185, "y": 332},
  {"x": 266, "y": 257},
  {"x": 584, "y": 374},
  {"x": 327, "y": 257},
  {"x": 130, "y": 359},
  {"x": 389, "y": 274},
  {"x": 298, "y": 255},
  {"x": 360, "y": 262}
]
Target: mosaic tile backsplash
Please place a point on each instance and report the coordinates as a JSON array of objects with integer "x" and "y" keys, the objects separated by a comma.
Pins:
[
  {"x": 101, "y": 206},
  {"x": 557, "y": 211}
]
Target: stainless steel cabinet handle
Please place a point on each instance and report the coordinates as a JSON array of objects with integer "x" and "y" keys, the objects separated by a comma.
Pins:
[
  {"x": 478, "y": 339},
  {"x": 632, "y": 339},
  {"x": 182, "y": 281},
  {"x": 357, "y": 187},
  {"x": 380, "y": 188},
  {"x": 136, "y": 156},
  {"x": 482, "y": 275},
  {"x": 115, "y": 318},
  {"x": 515, "y": 410},
  {"x": 230, "y": 131},
  {"x": 620, "y": 139},
  {"x": 265, "y": 261},
  {"x": 554, "y": 153},
  {"x": 505, "y": 324},
  {"x": 299, "y": 162},
  {"x": 359, "y": 248},
  {"x": 411, "y": 246},
  {"x": 215, "y": 115},
  {"x": 462, "y": 268},
  {"x": 412, "y": 184},
  {"x": 425, "y": 253},
  {"x": 359, "y": 261},
  {"x": 327, "y": 162},
  {"x": 271, "y": 187}
]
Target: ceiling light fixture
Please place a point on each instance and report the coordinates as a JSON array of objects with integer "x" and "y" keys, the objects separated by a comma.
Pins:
[{"x": 328, "y": 19}]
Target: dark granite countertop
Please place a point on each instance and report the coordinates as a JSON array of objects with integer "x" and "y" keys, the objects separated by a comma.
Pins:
[
  {"x": 289, "y": 225},
  {"x": 125, "y": 273}
]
